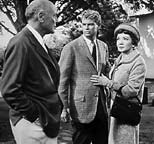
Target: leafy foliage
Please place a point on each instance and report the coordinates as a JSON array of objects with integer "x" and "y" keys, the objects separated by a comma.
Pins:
[
  {"x": 62, "y": 36},
  {"x": 139, "y": 4},
  {"x": 14, "y": 9},
  {"x": 69, "y": 10}
]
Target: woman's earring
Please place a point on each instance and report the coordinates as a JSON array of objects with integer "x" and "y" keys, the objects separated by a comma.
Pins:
[{"x": 133, "y": 47}]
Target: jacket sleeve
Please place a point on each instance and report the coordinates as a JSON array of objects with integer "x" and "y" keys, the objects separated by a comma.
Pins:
[
  {"x": 65, "y": 63},
  {"x": 136, "y": 79},
  {"x": 108, "y": 65},
  {"x": 12, "y": 86}
]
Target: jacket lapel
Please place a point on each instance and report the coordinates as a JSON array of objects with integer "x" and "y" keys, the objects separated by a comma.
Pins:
[
  {"x": 53, "y": 59},
  {"x": 86, "y": 50},
  {"x": 99, "y": 57},
  {"x": 40, "y": 50},
  {"x": 38, "y": 47},
  {"x": 49, "y": 57}
]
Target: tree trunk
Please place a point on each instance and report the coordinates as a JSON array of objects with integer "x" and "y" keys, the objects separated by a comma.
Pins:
[{"x": 20, "y": 7}]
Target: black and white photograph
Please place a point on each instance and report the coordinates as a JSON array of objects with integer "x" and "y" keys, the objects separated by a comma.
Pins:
[{"x": 76, "y": 72}]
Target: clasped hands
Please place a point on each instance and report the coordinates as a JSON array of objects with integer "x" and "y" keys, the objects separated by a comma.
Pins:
[
  {"x": 101, "y": 80},
  {"x": 65, "y": 115}
]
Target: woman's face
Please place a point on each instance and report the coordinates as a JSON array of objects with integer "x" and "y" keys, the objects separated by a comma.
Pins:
[{"x": 124, "y": 43}]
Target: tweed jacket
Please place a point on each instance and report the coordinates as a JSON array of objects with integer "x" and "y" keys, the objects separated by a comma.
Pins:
[
  {"x": 130, "y": 72},
  {"x": 75, "y": 89},
  {"x": 30, "y": 82}
]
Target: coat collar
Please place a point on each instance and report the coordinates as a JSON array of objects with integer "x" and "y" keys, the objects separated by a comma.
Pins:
[
  {"x": 86, "y": 50},
  {"x": 38, "y": 47},
  {"x": 127, "y": 58},
  {"x": 124, "y": 60}
]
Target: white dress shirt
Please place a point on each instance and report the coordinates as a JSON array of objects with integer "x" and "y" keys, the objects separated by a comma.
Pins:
[
  {"x": 90, "y": 46},
  {"x": 37, "y": 36}
]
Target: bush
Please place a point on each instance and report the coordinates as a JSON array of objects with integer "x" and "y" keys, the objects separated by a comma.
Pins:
[{"x": 62, "y": 36}]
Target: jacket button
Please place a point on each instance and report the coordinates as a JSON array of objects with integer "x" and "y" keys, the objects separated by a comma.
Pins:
[{"x": 96, "y": 95}]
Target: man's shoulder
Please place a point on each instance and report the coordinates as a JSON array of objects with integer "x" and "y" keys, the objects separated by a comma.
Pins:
[
  {"x": 74, "y": 42},
  {"x": 20, "y": 36},
  {"x": 102, "y": 43},
  {"x": 19, "y": 40},
  {"x": 77, "y": 40}
]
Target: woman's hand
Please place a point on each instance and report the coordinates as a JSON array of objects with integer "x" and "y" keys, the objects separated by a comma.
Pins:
[{"x": 101, "y": 80}]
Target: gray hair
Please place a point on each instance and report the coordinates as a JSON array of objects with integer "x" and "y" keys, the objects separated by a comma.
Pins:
[{"x": 35, "y": 6}]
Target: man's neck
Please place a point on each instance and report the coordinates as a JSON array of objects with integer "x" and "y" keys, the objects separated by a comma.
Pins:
[
  {"x": 90, "y": 38},
  {"x": 36, "y": 27}
]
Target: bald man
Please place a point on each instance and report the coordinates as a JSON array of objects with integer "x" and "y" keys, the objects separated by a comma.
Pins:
[{"x": 30, "y": 79}]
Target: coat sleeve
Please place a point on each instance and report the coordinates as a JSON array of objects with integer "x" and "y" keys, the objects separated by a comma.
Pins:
[
  {"x": 107, "y": 66},
  {"x": 12, "y": 86},
  {"x": 136, "y": 79},
  {"x": 65, "y": 63}
]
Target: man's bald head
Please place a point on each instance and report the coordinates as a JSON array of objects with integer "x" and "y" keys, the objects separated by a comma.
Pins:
[
  {"x": 42, "y": 16},
  {"x": 35, "y": 7}
]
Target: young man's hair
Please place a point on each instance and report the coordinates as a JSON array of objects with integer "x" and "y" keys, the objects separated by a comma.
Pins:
[{"x": 92, "y": 15}]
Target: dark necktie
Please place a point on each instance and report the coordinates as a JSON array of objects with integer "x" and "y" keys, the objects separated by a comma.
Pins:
[{"x": 94, "y": 51}]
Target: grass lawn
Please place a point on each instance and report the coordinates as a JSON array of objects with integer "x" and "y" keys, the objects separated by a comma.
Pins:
[
  {"x": 146, "y": 129},
  {"x": 147, "y": 125}
]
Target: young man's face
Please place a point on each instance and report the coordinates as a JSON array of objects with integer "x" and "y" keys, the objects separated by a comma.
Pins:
[{"x": 89, "y": 28}]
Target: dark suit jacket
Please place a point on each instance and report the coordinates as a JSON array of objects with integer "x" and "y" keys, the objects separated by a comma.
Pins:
[
  {"x": 29, "y": 82},
  {"x": 76, "y": 68}
]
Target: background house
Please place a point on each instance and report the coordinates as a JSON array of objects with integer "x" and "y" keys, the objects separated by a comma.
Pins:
[{"x": 145, "y": 23}]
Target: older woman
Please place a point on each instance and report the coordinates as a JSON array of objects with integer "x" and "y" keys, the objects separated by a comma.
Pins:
[{"x": 127, "y": 77}]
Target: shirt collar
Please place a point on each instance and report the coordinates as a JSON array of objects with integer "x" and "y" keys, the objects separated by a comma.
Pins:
[
  {"x": 36, "y": 34},
  {"x": 88, "y": 41}
]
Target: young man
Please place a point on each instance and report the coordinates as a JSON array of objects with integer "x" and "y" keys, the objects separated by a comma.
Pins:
[
  {"x": 84, "y": 102},
  {"x": 30, "y": 79}
]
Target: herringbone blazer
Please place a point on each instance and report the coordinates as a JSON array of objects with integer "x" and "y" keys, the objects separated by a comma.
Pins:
[{"x": 76, "y": 68}]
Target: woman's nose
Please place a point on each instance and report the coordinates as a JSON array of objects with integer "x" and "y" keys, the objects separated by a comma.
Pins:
[
  {"x": 120, "y": 41},
  {"x": 86, "y": 26}
]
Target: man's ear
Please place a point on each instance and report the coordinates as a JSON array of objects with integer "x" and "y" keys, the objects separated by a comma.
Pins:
[
  {"x": 41, "y": 16},
  {"x": 97, "y": 26}
]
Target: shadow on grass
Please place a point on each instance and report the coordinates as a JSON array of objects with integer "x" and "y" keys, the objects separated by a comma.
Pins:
[
  {"x": 6, "y": 136},
  {"x": 147, "y": 125},
  {"x": 65, "y": 135}
]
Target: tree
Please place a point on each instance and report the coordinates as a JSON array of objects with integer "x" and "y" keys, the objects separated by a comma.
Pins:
[
  {"x": 139, "y": 4},
  {"x": 68, "y": 10},
  {"x": 112, "y": 14},
  {"x": 14, "y": 9}
]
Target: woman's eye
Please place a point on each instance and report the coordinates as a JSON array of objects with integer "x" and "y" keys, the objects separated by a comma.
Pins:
[
  {"x": 91, "y": 24},
  {"x": 125, "y": 38}
]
